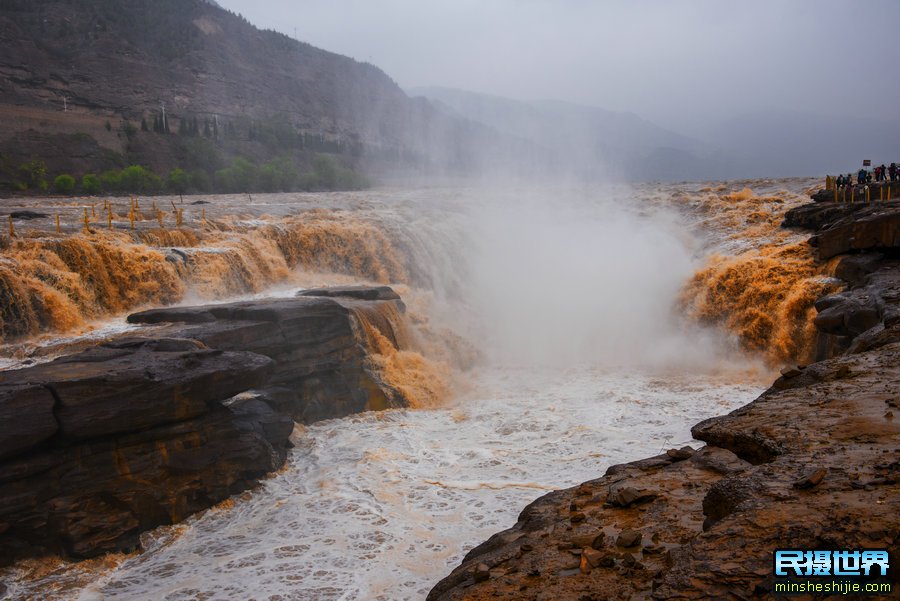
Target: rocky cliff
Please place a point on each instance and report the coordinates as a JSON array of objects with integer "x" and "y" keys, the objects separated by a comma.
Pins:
[
  {"x": 131, "y": 434},
  {"x": 78, "y": 78},
  {"x": 812, "y": 463}
]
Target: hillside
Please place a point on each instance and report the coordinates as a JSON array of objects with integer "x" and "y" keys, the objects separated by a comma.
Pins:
[
  {"x": 590, "y": 140},
  {"x": 100, "y": 84}
]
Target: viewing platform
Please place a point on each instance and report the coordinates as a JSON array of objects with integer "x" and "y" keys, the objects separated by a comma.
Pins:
[{"x": 870, "y": 192}]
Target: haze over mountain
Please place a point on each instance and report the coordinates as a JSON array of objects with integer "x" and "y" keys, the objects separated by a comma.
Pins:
[
  {"x": 594, "y": 142},
  {"x": 81, "y": 83},
  {"x": 625, "y": 146},
  {"x": 786, "y": 73}
]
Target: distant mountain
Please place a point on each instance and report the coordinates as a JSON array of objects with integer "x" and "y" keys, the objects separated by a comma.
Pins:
[
  {"x": 590, "y": 140},
  {"x": 94, "y": 84}
]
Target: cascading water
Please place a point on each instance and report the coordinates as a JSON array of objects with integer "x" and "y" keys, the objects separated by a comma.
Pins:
[{"x": 563, "y": 306}]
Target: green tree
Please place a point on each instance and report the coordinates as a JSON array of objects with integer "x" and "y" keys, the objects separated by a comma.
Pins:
[
  {"x": 244, "y": 175},
  {"x": 111, "y": 180},
  {"x": 200, "y": 181},
  {"x": 268, "y": 178},
  {"x": 64, "y": 183},
  {"x": 33, "y": 175},
  {"x": 138, "y": 179},
  {"x": 326, "y": 170},
  {"x": 178, "y": 181},
  {"x": 224, "y": 180},
  {"x": 278, "y": 175},
  {"x": 90, "y": 184}
]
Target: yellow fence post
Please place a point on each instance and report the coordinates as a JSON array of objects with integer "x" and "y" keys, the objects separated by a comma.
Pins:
[
  {"x": 12, "y": 230},
  {"x": 109, "y": 218},
  {"x": 203, "y": 214},
  {"x": 868, "y": 194},
  {"x": 87, "y": 221},
  {"x": 58, "y": 229}
]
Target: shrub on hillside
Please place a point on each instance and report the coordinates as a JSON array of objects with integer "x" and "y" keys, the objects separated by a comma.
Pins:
[
  {"x": 90, "y": 184},
  {"x": 33, "y": 175},
  {"x": 178, "y": 181},
  {"x": 64, "y": 184},
  {"x": 138, "y": 179},
  {"x": 111, "y": 181},
  {"x": 199, "y": 180}
]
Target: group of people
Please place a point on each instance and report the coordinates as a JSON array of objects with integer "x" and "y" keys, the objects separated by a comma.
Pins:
[{"x": 863, "y": 176}]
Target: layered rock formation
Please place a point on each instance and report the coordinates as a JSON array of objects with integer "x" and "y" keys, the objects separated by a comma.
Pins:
[
  {"x": 866, "y": 315},
  {"x": 135, "y": 433},
  {"x": 812, "y": 463},
  {"x": 126, "y": 436},
  {"x": 319, "y": 342}
]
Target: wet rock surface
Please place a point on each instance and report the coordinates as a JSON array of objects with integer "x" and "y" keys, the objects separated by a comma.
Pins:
[
  {"x": 715, "y": 519},
  {"x": 100, "y": 446},
  {"x": 317, "y": 340},
  {"x": 842, "y": 227},
  {"x": 812, "y": 463},
  {"x": 866, "y": 315}
]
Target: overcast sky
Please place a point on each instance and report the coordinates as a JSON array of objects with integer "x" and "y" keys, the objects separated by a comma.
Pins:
[{"x": 678, "y": 63}]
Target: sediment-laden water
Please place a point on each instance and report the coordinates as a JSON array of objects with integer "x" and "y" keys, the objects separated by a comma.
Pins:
[
  {"x": 566, "y": 331},
  {"x": 380, "y": 505}
]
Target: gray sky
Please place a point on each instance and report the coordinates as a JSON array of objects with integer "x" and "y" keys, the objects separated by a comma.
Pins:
[{"x": 677, "y": 63}]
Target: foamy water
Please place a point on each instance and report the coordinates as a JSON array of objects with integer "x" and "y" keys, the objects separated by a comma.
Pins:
[{"x": 381, "y": 505}]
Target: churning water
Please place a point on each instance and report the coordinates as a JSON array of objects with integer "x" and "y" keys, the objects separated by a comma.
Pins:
[
  {"x": 381, "y": 505},
  {"x": 586, "y": 361}
]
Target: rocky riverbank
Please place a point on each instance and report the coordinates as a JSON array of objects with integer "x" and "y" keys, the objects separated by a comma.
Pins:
[
  {"x": 139, "y": 432},
  {"x": 812, "y": 463}
]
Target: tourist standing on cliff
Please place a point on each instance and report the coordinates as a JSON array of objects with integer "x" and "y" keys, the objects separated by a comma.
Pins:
[
  {"x": 883, "y": 172},
  {"x": 861, "y": 177},
  {"x": 839, "y": 182},
  {"x": 892, "y": 171}
]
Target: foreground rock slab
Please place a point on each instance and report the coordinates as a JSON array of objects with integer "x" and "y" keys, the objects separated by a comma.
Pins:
[
  {"x": 102, "y": 445},
  {"x": 811, "y": 464},
  {"x": 319, "y": 342}
]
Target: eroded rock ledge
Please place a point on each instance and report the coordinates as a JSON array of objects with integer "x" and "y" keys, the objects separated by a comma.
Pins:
[
  {"x": 102, "y": 445},
  {"x": 812, "y": 463}
]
